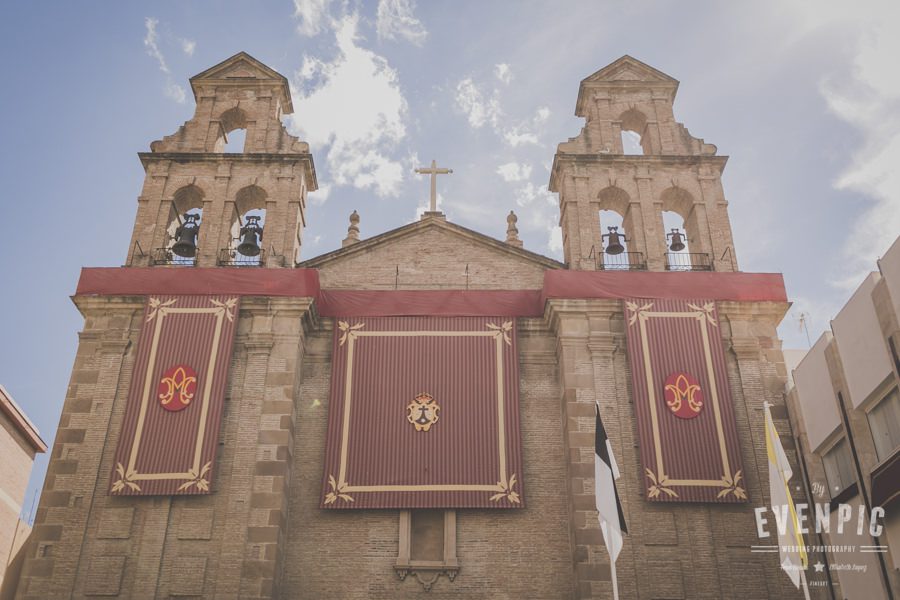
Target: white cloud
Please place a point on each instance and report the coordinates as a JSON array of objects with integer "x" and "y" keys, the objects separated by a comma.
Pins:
[
  {"x": 425, "y": 205},
  {"x": 554, "y": 241},
  {"x": 517, "y": 137},
  {"x": 188, "y": 47},
  {"x": 320, "y": 196},
  {"x": 354, "y": 106},
  {"x": 527, "y": 131},
  {"x": 476, "y": 105},
  {"x": 311, "y": 14},
  {"x": 513, "y": 171},
  {"x": 151, "y": 42},
  {"x": 529, "y": 193},
  {"x": 484, "y": 108},
  {"x": 503, "y": 73},
  {"x": 395, "y": 19},
  {"x": 175, "y": 92},
  {"x": 869, "y": 99}
]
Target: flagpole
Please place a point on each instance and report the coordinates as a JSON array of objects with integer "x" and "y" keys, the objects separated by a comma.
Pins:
[
  {"x": 803, "y": 583},
  {"x": 615, "y": 583}
]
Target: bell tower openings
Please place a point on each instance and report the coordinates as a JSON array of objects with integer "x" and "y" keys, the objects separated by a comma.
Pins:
[
  {"x": 245, "y": 248},
  {"x": 239, "y": 191},
  {"x": 633, "y": 158}
]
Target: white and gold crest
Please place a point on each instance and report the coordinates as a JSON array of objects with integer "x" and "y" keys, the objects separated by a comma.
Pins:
[{"x": 423, "y": 412}]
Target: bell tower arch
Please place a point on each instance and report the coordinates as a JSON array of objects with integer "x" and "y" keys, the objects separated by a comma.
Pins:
[
  {"x": 677, "y": 172},
  {"x": 194, "y": 172}
]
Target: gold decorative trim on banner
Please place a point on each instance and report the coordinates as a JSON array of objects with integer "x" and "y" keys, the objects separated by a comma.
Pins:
[
  {"x": 196, "y": 473},
  {"x": 351, "y": 333},
  {"x": 347, "y": 329},
  {"x": 507, "y": 491},
  {"x": 659, "y": 486},
  {"x": 660, "y": 481},
  {"x": 337, "y": 492}
]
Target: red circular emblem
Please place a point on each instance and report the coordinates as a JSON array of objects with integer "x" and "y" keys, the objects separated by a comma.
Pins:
[
  {"x": 177, "y": 387},
  {"x": 683, "y": 395}
]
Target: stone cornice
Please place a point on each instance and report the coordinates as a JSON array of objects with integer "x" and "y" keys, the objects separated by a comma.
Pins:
[
  {"x": 305, "y": 158},
  {"x": 364, "y": 245},
  {"x": 107, "y": 304},
  {"x": 557, "y": 309},
  {"x": 773, "y": 312},
  {"x": 562, "y": 159}
]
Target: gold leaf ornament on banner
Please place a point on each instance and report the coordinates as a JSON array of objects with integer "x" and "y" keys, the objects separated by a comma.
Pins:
[
  {"x": 347, "y": 329},
  {"x": 125, "y": 479},
  {"x": 731, "y": 487},
  {"x": 198, "y": 479},
  {"x": 337, "y": 491},
  {"x": 659, "y": 486},
  {"x": 507, "y": 491}
]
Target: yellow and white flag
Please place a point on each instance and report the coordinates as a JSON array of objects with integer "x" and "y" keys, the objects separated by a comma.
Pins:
[{"x": 791, "y": 548}]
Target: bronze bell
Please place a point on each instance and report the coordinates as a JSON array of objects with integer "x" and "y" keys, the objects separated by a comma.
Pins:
[
  {"x": 614, "y": 243},
  {"x": 251, "y": 235},
  {"x": 677, "y": 240},
  {"x": 186, "y": 236}
]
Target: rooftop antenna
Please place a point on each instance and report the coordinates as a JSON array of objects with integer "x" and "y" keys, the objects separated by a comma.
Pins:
[
  {"x": 31, "y": 511},
  {"x": 803, "y": 318}
]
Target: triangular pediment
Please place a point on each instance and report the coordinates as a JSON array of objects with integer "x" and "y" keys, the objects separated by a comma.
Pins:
[
  {"x": 629, "y": 69},
  {"x": 431, "y": 253},
  {"x": 243, "y": 69},
  {"x": 241, "y": 65},
  {"x": 626, "y": 72}
]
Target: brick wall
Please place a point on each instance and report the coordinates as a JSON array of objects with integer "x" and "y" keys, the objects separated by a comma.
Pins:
[
  {"x": 504, "y": 554},
  {"x": 429, "y": 256}
]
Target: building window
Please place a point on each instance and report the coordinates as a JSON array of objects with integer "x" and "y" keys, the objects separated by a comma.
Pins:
[
  {"x": 884, "y": 421},
  {"x": 427, "y": 545},
  {"x": 839, "y": 468}
]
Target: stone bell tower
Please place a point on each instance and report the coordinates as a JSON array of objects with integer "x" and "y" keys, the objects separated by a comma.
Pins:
[
  {"x": 615, "y": 359},
  {"x": 193, "y": 172},
  {"x": 676, "y": 172}
]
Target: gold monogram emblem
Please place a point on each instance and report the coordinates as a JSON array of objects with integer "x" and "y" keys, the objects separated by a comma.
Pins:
[
  {"x": 423, "y": 412},
  {"x": 683, "y": 395},
  {"x": 177, "y": 387}
]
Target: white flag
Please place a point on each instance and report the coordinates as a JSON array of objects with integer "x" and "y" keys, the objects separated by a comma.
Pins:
[
  {"x": 792, "y": 551},
  {"x": 609, "y": 509}
]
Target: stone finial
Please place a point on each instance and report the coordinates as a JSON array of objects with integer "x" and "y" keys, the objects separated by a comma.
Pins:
[
  {"x": 512, "y": 232},
  {"x": 352, "y": 231}
]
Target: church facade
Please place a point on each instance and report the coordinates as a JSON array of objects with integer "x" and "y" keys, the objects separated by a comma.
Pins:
[{"x": 210, "y": 444}]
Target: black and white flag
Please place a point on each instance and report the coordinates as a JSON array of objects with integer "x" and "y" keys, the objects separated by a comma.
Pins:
[{"x": 609, "y": 509}]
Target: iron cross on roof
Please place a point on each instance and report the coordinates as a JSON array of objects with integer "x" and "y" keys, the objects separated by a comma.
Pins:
[{"x": 434, "y": 171}]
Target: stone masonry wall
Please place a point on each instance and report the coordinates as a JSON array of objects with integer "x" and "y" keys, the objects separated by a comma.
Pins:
[
  {"x": 224, "y": 545},
  {"x": 696, "y": 551},
  {"x": 431, "y": 258},
  {"x": 503, "y": 554}
]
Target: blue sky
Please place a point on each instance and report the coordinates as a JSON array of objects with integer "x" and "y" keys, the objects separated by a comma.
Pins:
[{"x": 802, "y": 95}]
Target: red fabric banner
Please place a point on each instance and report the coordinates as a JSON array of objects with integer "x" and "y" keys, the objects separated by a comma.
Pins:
[
  {"x": 746, "y": 287},
  {"x": 682, "y": 399},
  {"x": 423, "y": 413},
  {"x": 145, "y": 281},
  {"x": 438, "y": 303},
  {"x": 170, "y": 430}
]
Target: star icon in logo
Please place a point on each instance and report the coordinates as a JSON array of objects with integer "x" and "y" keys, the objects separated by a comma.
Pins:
[{"x": 819, "y": 567}]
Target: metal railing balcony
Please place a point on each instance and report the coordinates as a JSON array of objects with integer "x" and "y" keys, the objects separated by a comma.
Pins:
[
  {"x": 165, "y": 256},
  {"x": 230, "y": 257},
  {"x": 688, "y": 261},
  {"x": 624, "y": 261}
]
